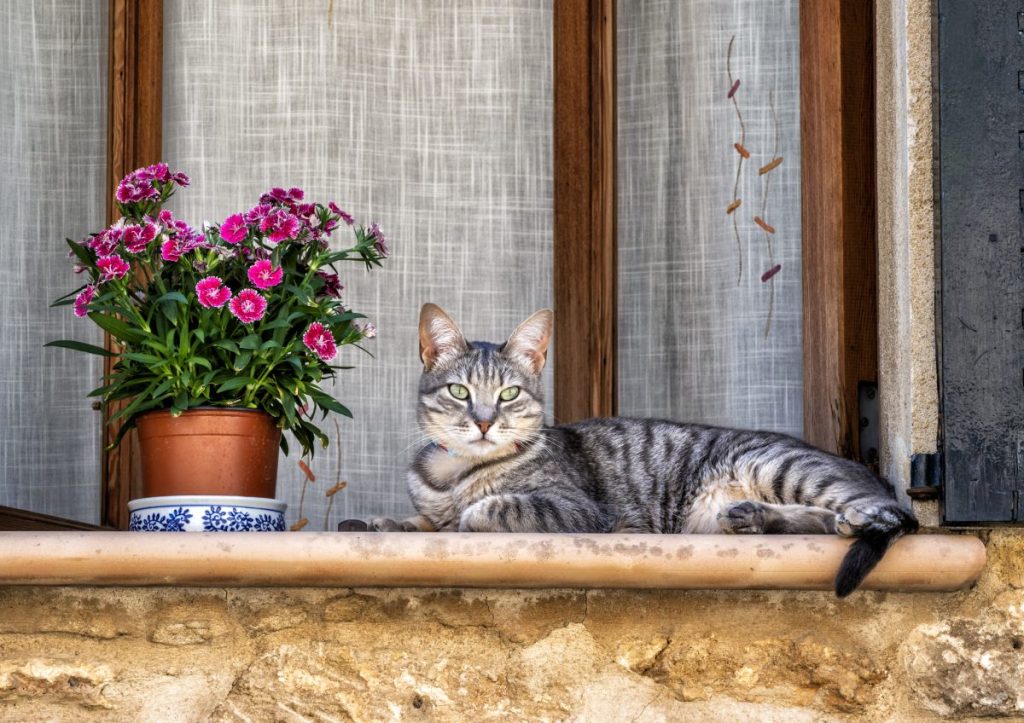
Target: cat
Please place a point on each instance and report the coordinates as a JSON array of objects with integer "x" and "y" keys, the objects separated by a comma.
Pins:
[{"x": 493, "y": 465}]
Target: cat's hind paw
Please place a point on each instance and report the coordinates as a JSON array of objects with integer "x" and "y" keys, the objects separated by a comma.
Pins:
[
  {"x": 742, "y": 518},
  {"x": 879, "y": 518}
]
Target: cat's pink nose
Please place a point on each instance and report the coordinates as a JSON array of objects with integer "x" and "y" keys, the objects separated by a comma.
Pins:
[{"x": 484, "y": 426}]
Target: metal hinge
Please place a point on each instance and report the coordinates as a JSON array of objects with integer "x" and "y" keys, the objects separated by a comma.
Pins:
[{"x": 867, "y": 411}]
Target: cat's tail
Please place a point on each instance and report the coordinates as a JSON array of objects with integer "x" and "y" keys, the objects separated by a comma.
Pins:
[{"x": 882, "y": 528}]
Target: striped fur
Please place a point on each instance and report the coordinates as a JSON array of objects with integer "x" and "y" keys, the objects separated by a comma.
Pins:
[{"x": 492, "y": 465}]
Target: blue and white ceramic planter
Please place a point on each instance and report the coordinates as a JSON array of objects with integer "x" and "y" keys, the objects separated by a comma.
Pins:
[{"x": 195, "y": 513}]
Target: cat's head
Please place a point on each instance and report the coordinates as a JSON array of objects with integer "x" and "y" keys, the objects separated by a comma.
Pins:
[{"x": 476, "y": 398}]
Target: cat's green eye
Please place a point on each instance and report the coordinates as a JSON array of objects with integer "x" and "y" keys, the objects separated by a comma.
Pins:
[
  {"x": 509, "y": 393},
  {"x": 458, "y": 391}
]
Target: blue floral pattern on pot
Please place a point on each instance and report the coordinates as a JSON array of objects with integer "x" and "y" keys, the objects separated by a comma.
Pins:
[{"x": 212, "y": 517}]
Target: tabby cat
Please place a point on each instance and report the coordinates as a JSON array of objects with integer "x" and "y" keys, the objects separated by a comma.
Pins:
[{"x": 492, "y": 464}]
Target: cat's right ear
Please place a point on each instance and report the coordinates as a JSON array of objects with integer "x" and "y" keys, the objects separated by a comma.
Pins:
[{"x": 440, "y": 338}]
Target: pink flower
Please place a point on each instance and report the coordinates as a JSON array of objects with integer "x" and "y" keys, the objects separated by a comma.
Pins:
[
  {"x": 211, "y": 293},
  {"x": 280, "y": 225},
  {"x": 346, "y": 217},
  {"x": 113, "y": 267},
  {"x": 256, "y": 214},
  {"x": 133, "y": 189},
  {"x": 332, "y": 284},
  {"x": 368, "y": 329},
  {"x": 183, "y": 239},
  {"x": 156, "y": 172},
  {"x": 180, "y": 178},
  {"x": 136, "y": 238},
  {"x": 318, "y": 339},
  {"x": 83, "y": 299},
  {"x": 105, "y": 242},
  {"x": 263, "y": 275},
  {"x": 248, "y": 306},
  {"x": 169, "y": 250},
  {"x": 380, "y": 242},
  {"x": 279, "y": 195},
  {"x": 233, "y": 229}
]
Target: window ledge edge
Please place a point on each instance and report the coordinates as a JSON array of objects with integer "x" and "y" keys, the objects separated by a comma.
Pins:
[{"x": 924, "y": 562}]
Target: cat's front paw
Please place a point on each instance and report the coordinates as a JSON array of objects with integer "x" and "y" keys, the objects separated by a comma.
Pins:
[
  {"x": 742, "y": 518},
  {"x": 375, "y": 524}
]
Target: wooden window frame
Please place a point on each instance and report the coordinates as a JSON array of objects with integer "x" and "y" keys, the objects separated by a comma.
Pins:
[
  {"x": 840, "y": 284},
  {"x": 837, "y": 133}
]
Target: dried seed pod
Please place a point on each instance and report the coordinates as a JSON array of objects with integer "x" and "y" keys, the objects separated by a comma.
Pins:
[
  {"x": 771, "y": 272},
  {"x": 335, "y": 489}
]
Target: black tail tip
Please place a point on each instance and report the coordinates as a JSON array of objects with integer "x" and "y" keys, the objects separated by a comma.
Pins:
[{"x": 867, "y": 551}]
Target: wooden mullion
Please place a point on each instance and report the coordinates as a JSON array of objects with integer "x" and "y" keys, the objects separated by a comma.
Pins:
[
  {"x": 584, "y": 200},
  {"x": 133, "y": 140},
  {"x": 837, "y": 131}
]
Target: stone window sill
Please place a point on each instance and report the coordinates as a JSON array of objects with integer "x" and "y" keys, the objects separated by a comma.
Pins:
[{"x": 325, "y": 559}]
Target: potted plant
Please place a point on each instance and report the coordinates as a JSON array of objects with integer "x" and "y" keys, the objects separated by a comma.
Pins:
[{"x": 222, "y": 337}]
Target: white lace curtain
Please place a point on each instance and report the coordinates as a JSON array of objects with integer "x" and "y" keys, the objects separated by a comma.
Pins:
[
  {"x": 701, "y": 336},
  {"x": 433, "y": 119},
  {"x": 53, "y": 91}
]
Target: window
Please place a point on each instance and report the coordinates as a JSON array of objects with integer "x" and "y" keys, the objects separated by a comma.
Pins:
[{"x": 572, "y": 46}]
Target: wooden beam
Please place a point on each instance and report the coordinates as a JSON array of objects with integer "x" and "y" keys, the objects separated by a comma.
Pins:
[
  {"x": 134, "y": 129},
  {"x": 584, "y": 199},
  {"x": 840, "y": 287}
]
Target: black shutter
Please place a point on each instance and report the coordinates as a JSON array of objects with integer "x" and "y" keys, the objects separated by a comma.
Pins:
[{"x": 981, "y": 303}]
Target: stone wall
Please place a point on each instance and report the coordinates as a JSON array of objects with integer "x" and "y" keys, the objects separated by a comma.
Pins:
[{"x": 83, "y": 654}]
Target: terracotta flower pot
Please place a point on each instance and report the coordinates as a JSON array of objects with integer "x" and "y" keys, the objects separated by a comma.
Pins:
[{"x": 209, "y": 451}]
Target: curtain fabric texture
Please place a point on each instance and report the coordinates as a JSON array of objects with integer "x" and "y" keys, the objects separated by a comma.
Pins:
[
  {"x": 433, "y": 119},
  {"x": 702, "y": 337},
  {"x": 53, "y": 89}
]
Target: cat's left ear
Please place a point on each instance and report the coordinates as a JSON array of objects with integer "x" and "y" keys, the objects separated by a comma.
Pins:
[{"x": 529, "y": 342}]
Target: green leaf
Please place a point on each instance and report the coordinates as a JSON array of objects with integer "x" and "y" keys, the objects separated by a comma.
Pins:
[
  {"x": 141, "y": 403},
  {"x": 80, "y": 346},
  {"x": 118, "y": 328},
  {"x": 242, "y": 360},
  {"x": 144, "y": 358},
  {"x": 251, "y": 342},
  {"x": 161, "y": 389},
  {"x": 175, "y": 296},
  {"x": 236, "y": 383},
  {"x": 68, "y": 298},
  {"x": 169, "y": 310},
  {"x": 201, "y": 361},
  {"x": 85, "y": 255},
  {"x": 226, "y": 344},
  {"x": 329, "y": 403}
]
